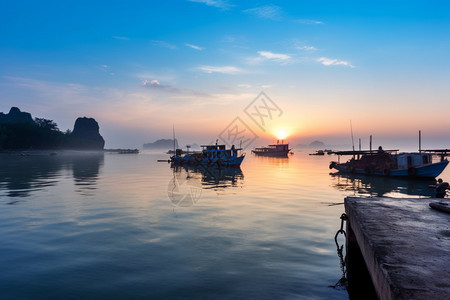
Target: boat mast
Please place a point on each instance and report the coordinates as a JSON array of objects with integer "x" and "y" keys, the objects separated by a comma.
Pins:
[{"x": 173, "y": 132}]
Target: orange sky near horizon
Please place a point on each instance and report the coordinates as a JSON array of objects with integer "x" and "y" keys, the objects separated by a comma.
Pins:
[{"x": 383, "y": 65}]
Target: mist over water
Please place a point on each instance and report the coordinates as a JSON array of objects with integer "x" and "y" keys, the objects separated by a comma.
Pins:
[{"x": 109, "y": 226}]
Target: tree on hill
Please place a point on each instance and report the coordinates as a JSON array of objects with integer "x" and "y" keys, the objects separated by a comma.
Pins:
[
  {"x": 46, "y": 124},
  {"x": 41, "y": 134}
]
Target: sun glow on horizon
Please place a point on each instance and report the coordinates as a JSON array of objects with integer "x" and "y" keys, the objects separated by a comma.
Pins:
[{"x": 282, "y": 134}]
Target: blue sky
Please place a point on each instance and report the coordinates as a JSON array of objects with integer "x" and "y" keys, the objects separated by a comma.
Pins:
[{"x": 138, "y": 67}]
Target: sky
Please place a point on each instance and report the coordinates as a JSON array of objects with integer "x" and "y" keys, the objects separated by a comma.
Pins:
[{"x": 314, "y": 69}]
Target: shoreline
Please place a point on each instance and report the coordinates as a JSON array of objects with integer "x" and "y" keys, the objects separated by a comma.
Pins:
[{"x": 49, "y": 152}]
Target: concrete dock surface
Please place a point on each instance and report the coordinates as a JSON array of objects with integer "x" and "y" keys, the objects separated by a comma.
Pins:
[{"x": 405, "y": 244}]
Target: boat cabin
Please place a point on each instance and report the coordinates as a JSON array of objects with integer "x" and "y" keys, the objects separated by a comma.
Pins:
[
  {"x": 407, "y": 160},
  {"x": 273, "y": 148},
  {"x": 219, "y": 151},
  {"x": 213, "y": 147},
  {"x": 280, "y": 147}
]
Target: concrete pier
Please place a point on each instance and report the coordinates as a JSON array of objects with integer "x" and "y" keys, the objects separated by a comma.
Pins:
[{"x": 405, "y": 245}]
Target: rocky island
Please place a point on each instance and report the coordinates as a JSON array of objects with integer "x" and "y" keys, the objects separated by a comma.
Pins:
[
  {"x": 85, "y": 135},
  {"x": 161, "y": 144},
  {"x": 19, "y": 131}
]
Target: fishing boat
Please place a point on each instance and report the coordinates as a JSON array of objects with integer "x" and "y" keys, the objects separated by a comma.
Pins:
[
  {"x": 390, "y": 163},
  {"x": 278, "y": 149},
  {"x": 211, "y": 155}
]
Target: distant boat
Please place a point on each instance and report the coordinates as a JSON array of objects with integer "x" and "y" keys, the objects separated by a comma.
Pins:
[
  {"x": 122, "y": 151},
  {"x": 211, "y": 155},
  {"x": 318, "y": 152},
  {"x": 389, "y": 163},
  {"x": 129, "y": 151},
  {"x": 281, "y": 150},
  {"x": 174, "y": 151}
]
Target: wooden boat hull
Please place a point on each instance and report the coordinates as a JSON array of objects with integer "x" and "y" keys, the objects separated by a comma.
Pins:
[
  {"x": 274, "y": 150},
  {"x": 441, "y": 206},
  {"x": 426, "y": 171},
  {"x": 233, "y": 162},
  {"x": 272, "y": 154}
]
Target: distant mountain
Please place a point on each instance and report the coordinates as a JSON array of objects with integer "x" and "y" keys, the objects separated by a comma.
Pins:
[
  {"x": 164, "y": 144},
  {"x": 314, "y": 145},
  {"x": 317, "y": 145},
  {"x": 16, "y": 116}
]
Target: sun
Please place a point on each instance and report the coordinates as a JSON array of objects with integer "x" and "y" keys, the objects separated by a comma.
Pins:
[{"x": 282, "y": 134}]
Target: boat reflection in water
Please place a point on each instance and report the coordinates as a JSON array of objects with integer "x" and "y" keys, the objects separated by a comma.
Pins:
[
  {"x": 273, "y": 160},
  {"x": 21, "y": 176},
  {"x": 185, "y": 188},
  {"x": 382, "y": 186}
]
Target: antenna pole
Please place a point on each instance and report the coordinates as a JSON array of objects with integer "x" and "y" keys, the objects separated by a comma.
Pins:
[
  {"x": 353, "y": 143},
  {"x": 420, "y": 141},
  {"x": 359, "y": 148},
  {"x": 370, "y": 145}
]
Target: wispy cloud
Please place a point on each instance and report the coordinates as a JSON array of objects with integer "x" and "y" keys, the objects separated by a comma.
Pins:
[
  {"x": 279, "y": 57},
  {"x": 308, "y": 22},
  {"x": 230, "y": 70},
  {"x": 157, "y": 86},
  {"x": 107, "y": 69},
  {"x": 163, "y": 44},
  {"x": 271, "y": 12},
  {"x": 45, "y": 86},
  {"x": 306, "y": 48},
  {"x": 334, "y": 62},
  {"x": 154, "y": 82},
  {"x": 124, "y": 38},
  {"x": 165, "y": 76},
  {"x": 223, "y": 4},
  {"x": 264, "y": 56},
  {"x": 194, "y": 47}
]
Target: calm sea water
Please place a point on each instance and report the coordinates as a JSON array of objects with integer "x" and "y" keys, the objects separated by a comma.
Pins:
[{"x": 109, "y": 226}]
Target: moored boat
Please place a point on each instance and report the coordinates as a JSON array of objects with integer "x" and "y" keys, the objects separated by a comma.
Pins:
[
  {"x": 318, "y": 152},
  {"x": 390, "y": 163},
  {"x": 211, "y": 155},
  {"x": 273, "y": 150},
  {"x": 442, "y": 206}
]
